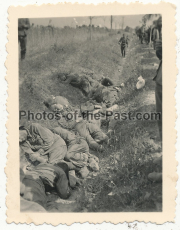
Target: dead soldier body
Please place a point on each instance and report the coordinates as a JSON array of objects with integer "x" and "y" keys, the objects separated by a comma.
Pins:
[
  {"x": 38, "y": 141},
  {"x": 90, "y": 131},
  {"x": 43, "y": 178},
  {"x": 93, "y": 89},
  {"x": 107, "y": 116},
  {"x": 78, "y": 152}
]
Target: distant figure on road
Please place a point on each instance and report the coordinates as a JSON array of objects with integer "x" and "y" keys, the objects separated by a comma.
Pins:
[
  {"x": 122, "y": 42},
  {"x": 23, "y": 26}
]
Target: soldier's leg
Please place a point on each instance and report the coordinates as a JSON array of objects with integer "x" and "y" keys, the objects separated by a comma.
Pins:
[
  {"x": 23, "y": 47},
  {"x": 20, "y": 38},
  {"x": 58, "y": 153},
  {"x": 154, "y": 44},
  {"x": 122, "y": 51},
  {"x": 158, "y": 94},
  {"x": 111, "y": 126},
  {"x": 78, "y": 153},
  {"x": 62, "y": 186}
]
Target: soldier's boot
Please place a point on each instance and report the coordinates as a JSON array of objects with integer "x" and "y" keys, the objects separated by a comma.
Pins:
[{"x": 84, "y": 172}]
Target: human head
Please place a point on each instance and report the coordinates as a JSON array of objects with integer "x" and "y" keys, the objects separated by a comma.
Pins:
[
  {"x": 56, "y": 107},
  {"x": 49, "y": 101},
  {"x": 102, "y": 78},
  {"x": 123, "y": 35},
  {"x": 63, "y": 78}
]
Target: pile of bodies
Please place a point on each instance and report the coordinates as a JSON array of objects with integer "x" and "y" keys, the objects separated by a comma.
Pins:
[
  {"x": 52, "y": 154},
  {"x": 58, "y": 157}
]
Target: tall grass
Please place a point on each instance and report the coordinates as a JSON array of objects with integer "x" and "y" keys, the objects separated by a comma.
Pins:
[{"x": 41, "y": 39}]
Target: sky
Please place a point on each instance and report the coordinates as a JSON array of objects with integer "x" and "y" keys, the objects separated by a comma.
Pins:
[{"x": 129, "y": 20}]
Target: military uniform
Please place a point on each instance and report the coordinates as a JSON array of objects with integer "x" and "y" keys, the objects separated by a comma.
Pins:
[
  {"x": 158, "y": 89},
  {"x": 155, "y": 36},
  {"x": 23, "y": 26},
  {"x": 44, "y": 178},
  {"x": 78, "y": 149},
  {"x": 42, "y": 140},
  {"x": 122, "y": 41}
]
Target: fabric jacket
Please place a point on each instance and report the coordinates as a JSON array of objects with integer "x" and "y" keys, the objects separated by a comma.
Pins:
[
  {"x": 158, "y": 76},
  {"x": 123, "y": 42},
  {"x": 23, "y": 26}
]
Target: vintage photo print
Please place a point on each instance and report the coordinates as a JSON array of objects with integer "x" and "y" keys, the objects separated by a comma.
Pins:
[{"x": 91, "y": 113}]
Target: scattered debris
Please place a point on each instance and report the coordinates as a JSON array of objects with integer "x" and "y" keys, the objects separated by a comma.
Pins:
[
  {"x": 111, "y": 194},
  {"x": 141, "y": 83}
]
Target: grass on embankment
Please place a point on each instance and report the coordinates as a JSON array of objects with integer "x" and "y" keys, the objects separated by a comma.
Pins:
[
  {"x": 38, "y": 74},
  {"x": 127, "y": 178}
]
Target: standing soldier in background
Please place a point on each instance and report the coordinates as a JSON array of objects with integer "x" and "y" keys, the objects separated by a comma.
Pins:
[
  {"x": 155, "y": 37},
  {"x": 23, "y": 26},
  {"x": 155, "y": 34},
  {"x": 123, "y": 42}
]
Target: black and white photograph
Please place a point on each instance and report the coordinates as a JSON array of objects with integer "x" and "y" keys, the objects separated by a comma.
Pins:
[{"x": 90, "y": 113}]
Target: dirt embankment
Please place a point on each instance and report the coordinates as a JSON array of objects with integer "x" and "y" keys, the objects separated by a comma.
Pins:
[{"x": 121, "y": 184}]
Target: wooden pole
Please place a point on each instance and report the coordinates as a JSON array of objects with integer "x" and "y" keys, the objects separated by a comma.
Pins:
[
  {"x": 122, "y": 22},
  {"x": 90, "y": 28}
]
